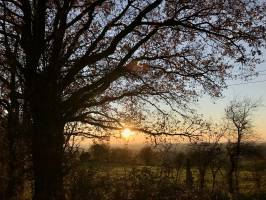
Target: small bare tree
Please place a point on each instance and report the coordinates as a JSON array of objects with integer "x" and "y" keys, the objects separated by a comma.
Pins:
[{"x": 238, "y": 114}]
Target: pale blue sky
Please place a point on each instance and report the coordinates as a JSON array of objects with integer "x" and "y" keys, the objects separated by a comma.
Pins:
[{"x": 255, "y": 88}]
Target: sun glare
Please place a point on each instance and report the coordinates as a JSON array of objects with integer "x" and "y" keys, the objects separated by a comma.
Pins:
[{"x": 127, "y": 133}]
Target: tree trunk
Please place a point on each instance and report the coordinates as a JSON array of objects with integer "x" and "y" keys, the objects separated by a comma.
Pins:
[
  {"x": 202, "y": 179},
  {"x": 214, "y": 173},
  {"x": 48, "y": 139},
  {"x": 15, "y": 183},
  {"x": 238, "y": 151},
  {"x": 230, "y": 176},
  {"x": 189, "y": 178},
  {"x": 16, "y": 157}
]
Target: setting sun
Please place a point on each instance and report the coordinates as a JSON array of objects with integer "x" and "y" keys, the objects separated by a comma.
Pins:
[{"x": 127, "y": 133}]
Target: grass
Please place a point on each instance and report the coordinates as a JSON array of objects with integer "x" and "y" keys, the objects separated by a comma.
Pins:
[{"x": 246, "y": 179}]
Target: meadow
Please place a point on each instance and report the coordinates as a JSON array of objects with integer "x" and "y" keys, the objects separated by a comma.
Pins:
[{"x": 163, "y": 175}]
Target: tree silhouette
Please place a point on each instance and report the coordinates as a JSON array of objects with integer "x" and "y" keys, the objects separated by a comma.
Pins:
[
  {"x": 146, "y": 154},
  {"x": 80, "y": 61},
  {"x": 238, "y": 113}
]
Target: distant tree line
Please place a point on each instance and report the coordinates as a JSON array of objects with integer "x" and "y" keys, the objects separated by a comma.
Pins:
[{"x": 200, "y": 169}]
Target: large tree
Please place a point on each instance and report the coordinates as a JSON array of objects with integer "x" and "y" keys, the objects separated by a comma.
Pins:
[{"x": 84, "y": 60}]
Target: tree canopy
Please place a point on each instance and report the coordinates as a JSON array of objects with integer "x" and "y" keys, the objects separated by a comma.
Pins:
[{"x": 91, "y": 55}]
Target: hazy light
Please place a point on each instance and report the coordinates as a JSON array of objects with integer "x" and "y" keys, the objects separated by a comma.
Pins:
[{"x": 127, "y": 133}]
